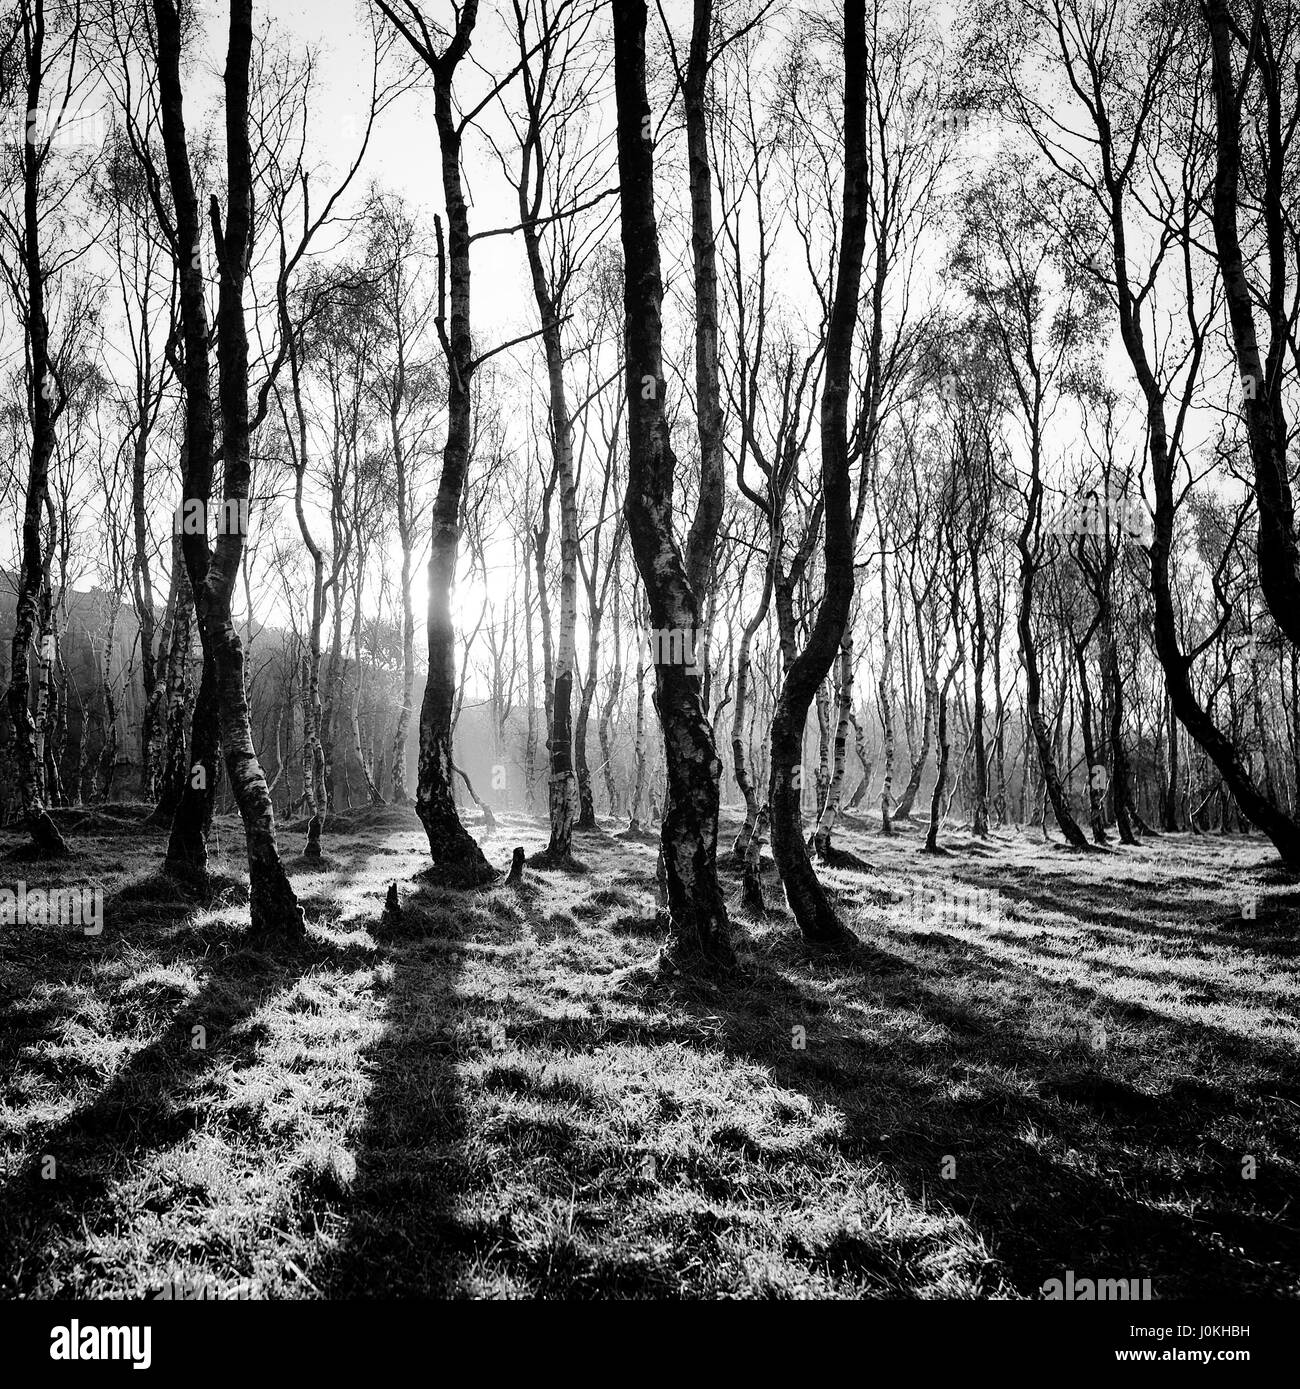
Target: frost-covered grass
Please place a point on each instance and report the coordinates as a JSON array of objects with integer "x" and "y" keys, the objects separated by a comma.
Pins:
[{"x": 1067, "y": 1067}]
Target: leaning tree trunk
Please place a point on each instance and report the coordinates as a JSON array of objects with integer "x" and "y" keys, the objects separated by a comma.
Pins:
[
  {"x": 698, "y": 931},
  {"x": 1280, "y": 827},
  {"x": 812, "y": 909}
]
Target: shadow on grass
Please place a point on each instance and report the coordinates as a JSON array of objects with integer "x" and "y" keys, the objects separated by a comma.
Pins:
[
  {"x": 67, "y": 1183},
  {"x": 1062, "y": 1158},
  {"x": 402, "y": 1237}
]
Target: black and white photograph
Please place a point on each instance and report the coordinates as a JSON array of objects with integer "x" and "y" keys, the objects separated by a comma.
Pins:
[{"x": 649, "y": 655}]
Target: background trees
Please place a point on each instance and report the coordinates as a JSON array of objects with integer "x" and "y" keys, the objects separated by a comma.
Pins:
[{"x": 907, "y": 532}]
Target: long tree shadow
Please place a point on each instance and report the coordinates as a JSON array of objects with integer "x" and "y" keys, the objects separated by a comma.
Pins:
[
  {"x": 1274, "y": 929},
  {"x": 67, "y": 1181},
  {"x": 414, "y": 1155},
  {"x": 1053, "y": 1153}
]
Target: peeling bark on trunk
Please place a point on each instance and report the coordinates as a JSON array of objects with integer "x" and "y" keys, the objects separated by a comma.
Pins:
[
  {"x": 698, "y": 931},
  {"x": 702, "y": 541},
  {"x": 822, "y": 777},
  {"x": 44, "y": 401},
  {"x": 751, "y": 898},
  {"x": 187, "y": 849},
  {"x": 273, "y": 907}
]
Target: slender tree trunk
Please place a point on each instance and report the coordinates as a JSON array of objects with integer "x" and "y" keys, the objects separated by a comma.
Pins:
[
  {"x": 812, "y": 909},
  {"x": 1261, "y": 375},
  {"x": 822, "y": 777},
  {"x": 864, "y": 757},
  {"x": 272, "y": 904},
  {"x": 273, "y": 907},
  {"x": 402, "y": 729},
  {"x": 1096, "y": 792},
  {"x": 638, "y": 751},
  {"x": 744, "y": 666},
  {"x": 698, "y": 932},
  {"x": 885, "y": 693},
  {"x": 941, "y": 773},
  {"x": 1282, "y": 829},
  {"x": 844, "y": 700},
  {"x": 903, "y": 810},
  {"x": 449, "y": 842},
  {"x": 1029, "y": 657},
  {"x": 1122, "y": 781},
  {"x": 530, "y": 729},
  {"x": 979, "y": 644},
  {"x": 606, "y": 725},
  {"x": 586, "y": 805},
  {"x": 42, "y": 390},
  {"x": 174, "y": 770},
  {"x": 563, "y": 798},
  {"x": 751, "y": 899}
]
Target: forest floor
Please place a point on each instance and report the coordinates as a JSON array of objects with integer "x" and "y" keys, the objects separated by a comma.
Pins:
[{"x": 1076, "y": 1068}]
